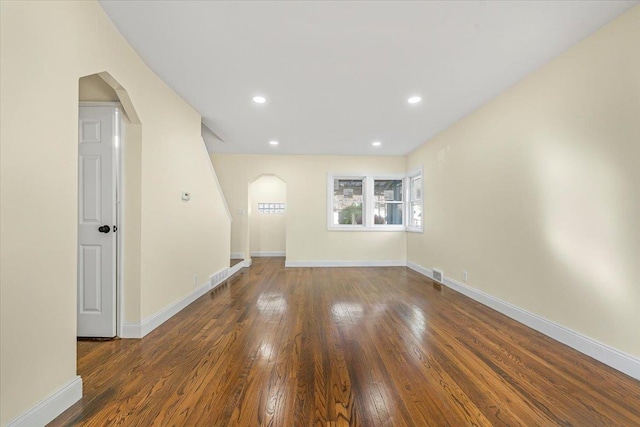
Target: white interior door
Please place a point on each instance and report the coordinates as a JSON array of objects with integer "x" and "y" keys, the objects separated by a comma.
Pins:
[{"x": 96, "y": 221}]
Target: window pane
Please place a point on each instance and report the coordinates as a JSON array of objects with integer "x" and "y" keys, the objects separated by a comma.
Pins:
[
  {"x": 347, "y": 201},
  {"x": 387, "y": 213},
  {"x": 387, "y": 190},
  {"x": 388, "y": 195},
  {"x": 416, "y": 214},
  {"x": 416, "y": 188}
]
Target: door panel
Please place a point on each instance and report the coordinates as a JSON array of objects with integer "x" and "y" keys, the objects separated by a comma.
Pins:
[
  {"x": 91, "y": 273},
  {"x": 96, "y": 207},
  {"x": 90, "y": 189}
]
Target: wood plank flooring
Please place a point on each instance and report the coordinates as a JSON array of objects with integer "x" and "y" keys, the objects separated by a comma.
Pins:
[{"x": 344, "y": 347}]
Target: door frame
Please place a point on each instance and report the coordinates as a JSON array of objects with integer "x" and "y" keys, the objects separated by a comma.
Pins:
[{"x": 118, "y": 166}]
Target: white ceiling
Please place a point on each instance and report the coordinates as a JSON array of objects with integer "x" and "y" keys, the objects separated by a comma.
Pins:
[{"x": 336, "y": 75}]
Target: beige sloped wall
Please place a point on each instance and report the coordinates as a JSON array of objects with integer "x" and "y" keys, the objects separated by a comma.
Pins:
[
  {"x": 537, "y": 194},
  {"x": 267, "y": 231},
  {"x": 306, "y": 177},
  {"x": 45, "y": 48}
]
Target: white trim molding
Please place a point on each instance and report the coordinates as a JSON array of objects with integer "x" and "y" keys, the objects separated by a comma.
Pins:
[
  {"x": 237, "y": 255},
  {"x": 268, "y": 254},
  {"x": 46, "y": 410},
  {"x": 410, "y": 175},
  {"x": 420, "y": 269},
  {"x": 385, "y": 263},
  {"x": 139, "y": 330},
  {"x": 131, "y": 330},
  {"x": 235, "y": 268},
  {"x": 604, "y": 353}
]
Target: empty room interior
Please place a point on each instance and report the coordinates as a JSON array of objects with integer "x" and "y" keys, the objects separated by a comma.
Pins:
[{"x": 319, "y": 213}]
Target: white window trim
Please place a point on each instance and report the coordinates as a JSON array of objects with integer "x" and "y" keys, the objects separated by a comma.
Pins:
[
  {"x": 412, "y": 174},
  {"x": 367, "y": 204}
]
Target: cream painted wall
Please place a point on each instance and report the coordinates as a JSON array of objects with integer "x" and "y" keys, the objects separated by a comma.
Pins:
[
  {"x": 132, "y": 226},
  {"x": 267, "y": 231},
  {"x": 45, "y": 48},
  {"x": 93, "y": 88},
  {"x": 537, "y": 194},
  {"x": 306, "y": 179}
]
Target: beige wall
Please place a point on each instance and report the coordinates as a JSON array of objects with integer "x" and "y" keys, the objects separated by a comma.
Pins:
[
  {"x": 267, "y": 232},
  {"x": 45, "y": 48},
  {"x": 93, "y": 88},
  {"x": 537, "y": 194},
  {"x": 306, "y": 179}
]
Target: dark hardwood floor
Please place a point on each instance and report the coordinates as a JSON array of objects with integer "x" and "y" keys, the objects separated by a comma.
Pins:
[
  {"x": 344, "y": 346},
  {"x": 233, "y": 262}
]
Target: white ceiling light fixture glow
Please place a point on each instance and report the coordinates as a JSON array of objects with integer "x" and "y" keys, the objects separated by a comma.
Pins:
[
  {"x": 376, "y": 143},
  {"x": 414, "y": 100},
  {"x": 259, "y": 99},
  {"x": 273, "y": 142}
]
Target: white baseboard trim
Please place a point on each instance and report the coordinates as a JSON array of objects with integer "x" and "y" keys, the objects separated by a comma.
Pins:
[
  {"x": 237, "y": 255},
  {"x": 131, "y": 330},
  {"x": 420, "y": 269},
  {"x": 247, "y": 262},
  {"x": 235, "y": 268},
  {"x": 155, "y": 320},
  {"x": 604, "y": 353},
  {"x": 46, "y": 410},
  {"x": 139, "y": 330},
  {"x": 390, "y": 263},
  {"x": 268, "y": 253}
]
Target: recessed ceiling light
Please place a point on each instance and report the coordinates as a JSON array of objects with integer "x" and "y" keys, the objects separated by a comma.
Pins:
[
  {"x": 273, "y": 142},
  {"x": 376, "y": 143},
  {"x": 414, "y": 100},
  {"x": 258, "y": 99}
]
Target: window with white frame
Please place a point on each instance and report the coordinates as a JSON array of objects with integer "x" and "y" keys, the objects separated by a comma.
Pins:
[
  {"x": 414, "y": 217},
  {"x": 375, "y": 202},
  {"x": 366, "y": 202},
  {"x": 270, "y": 208}
]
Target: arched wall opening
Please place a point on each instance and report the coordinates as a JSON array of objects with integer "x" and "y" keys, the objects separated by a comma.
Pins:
[
  {"x": 267, "y": 219},
  {"x": 103, "y": 88}
]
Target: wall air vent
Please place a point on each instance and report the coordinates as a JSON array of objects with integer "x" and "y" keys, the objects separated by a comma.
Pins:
[{"x": 438, "y": 276}]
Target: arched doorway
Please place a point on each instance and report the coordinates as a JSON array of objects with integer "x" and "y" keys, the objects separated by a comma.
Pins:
[
  {"x": 108, "y": 217},
  {"x": 267, "y": 217}
]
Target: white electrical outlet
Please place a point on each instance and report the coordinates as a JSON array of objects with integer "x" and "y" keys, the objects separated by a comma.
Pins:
[{"x": 464, "y": 276}]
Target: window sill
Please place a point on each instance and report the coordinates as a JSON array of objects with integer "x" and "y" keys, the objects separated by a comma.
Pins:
[{"x": 374, "y": 229}]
